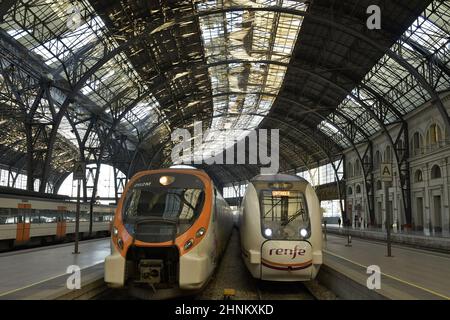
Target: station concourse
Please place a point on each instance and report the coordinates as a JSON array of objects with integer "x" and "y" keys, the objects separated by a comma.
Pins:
[{"x": 102, "y": 101}]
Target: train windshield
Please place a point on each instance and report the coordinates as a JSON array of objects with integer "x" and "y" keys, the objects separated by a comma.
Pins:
[
  {"x": 159, "y": 213},
  {"x": 284, "y": 215}
]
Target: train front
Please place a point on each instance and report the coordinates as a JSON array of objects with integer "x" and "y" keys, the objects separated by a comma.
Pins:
[
  {"x": 290, "y": 226},
  {"x": 160, "y": 244}
]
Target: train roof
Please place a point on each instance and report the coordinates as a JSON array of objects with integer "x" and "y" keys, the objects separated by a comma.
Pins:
[
  {"x": 32, "y": 194},
  {"x": 277, "y": 177}
]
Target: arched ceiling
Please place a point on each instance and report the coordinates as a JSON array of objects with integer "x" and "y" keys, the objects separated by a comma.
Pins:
[{"x": 113, "y": 79}]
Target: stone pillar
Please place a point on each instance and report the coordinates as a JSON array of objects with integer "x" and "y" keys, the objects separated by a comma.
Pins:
[
  {"x": 427, "y": 195},
  {"x": 395, "y": 204},
  {"x": 445, "y": 198}
]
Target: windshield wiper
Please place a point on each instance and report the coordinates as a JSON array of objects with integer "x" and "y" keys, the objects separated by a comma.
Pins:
[
  {"x": 293, "y": 217},
  {"x": 272, "y": 207},
  {"x": 182, "y": 199}
]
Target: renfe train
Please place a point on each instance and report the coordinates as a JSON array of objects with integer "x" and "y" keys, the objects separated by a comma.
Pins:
[
  {"x": 30, "y": 218},
  {"x": 170, "y": 229},
  {"x": 280, "y": 228}
]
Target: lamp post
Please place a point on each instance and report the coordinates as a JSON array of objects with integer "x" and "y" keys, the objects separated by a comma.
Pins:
[
  {"x": 386, "y": 176},
  {"x": 79, "y": 173}
]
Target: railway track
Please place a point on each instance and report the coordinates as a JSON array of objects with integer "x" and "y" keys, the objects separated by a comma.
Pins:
[
  {"x": 233, "y": 274},
  {"x": 282, "y": 291}
]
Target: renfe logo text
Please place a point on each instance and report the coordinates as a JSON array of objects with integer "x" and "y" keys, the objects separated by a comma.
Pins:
[{"x": 288, "y": 252}]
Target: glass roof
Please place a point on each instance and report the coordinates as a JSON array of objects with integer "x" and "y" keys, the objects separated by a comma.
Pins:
[
  {"x": 428, "y": 37},
  {"x": 239, "y": 44},
  {"x": 43, "y": 28},
  {"x": 242, "y": 48}
]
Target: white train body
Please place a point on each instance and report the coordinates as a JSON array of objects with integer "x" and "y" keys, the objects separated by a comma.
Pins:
[
  {"x": 27, "y": 218},
  {"x": 280, "y": 229}
]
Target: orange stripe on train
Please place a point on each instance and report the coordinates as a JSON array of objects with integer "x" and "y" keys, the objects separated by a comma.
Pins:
[{"x": 202, "y": 221}]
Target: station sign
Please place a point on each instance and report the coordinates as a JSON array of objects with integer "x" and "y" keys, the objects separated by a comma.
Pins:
[
  {"x": 386, "y": 172},
  {"x": 79, "y": 171},
  {"x": 280, "y": 193}
]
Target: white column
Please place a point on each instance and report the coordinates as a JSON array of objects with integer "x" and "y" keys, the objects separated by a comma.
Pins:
[
  {"x": 445, "y": 198},
  {"x": 427, "y": 195},
  {"x": 395, "y": 209},
  {"x": 384, "y": 207}
]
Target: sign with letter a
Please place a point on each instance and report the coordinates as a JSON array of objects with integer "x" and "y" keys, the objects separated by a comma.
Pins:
[{"x": 386, "y": 172}]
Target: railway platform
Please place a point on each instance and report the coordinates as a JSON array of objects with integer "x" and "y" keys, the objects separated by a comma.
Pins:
[
  {"x": 435, "y": 241},
  {"x": 410, "y": 274},
  {"x": 41, "y": 273}
]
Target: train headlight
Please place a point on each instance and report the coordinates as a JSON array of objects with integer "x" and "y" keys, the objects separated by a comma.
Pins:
[
  {"x": 200, "y": 232},
  {"x": 304, "y": 233},
  {"x": 120, "y": 243},
  {"x": 115, "y": 231},
  {"x": 268, "y": 232},
  {"x": 188, "y": 244},
  {"x": 166, "y": 180}
]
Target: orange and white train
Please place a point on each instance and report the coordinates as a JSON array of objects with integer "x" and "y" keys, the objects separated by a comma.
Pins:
[
  {"x": 280, "y": 228},
  {"x": 170, "y": 229},
  {"x": 30, "y": 219}
]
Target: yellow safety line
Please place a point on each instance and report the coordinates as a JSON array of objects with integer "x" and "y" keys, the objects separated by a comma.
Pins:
[
  {"x": 392, "y": 277},
  {"x": 30, "y": 285},
  {"x": 2, "y": 294}
]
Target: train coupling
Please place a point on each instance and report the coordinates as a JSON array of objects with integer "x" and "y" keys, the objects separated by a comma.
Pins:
[{"x": 150, "y": 271}]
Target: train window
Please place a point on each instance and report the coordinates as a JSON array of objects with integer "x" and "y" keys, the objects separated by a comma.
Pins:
[
  {"x": 34, "y": 216},
  {"x": 179, "y": 205},
  {"x": 70, "y": 216},
  {"x": 7, "y": 216},
  {"x": 284, "y": 215},
  {"x": 101, "y": 217},
  {"x": 84, "y": 216}
]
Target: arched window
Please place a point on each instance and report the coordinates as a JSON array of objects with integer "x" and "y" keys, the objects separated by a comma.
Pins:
[
  {"x": 377, "y": 161},
  {"x": 350, "y": 190},
  {"x": 358, "y": 189},
  {"x": 379, "y": 185},
  {"x": 417, "y": 144},
  {"x": 435, "y": 172},
  {"x": 434, "y": 135},
  {"x": 388, "y": 154},
  {"x": 418, "y": 176}
]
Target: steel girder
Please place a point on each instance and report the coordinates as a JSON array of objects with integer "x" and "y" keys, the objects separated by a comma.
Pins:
[
  {"x": 368, "y": 175},
  {"x": 245, "y": 8}
]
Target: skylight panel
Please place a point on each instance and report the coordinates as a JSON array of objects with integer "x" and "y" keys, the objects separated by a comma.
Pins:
[
  {"x": 393, "y": 82},
  {"x": 247, "y": 36}
]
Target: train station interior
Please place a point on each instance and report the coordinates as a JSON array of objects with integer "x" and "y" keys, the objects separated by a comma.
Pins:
[{"x": 350, "y": 98}]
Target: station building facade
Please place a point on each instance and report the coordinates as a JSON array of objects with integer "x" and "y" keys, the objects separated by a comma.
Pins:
[{"x": 429, "y": 167}]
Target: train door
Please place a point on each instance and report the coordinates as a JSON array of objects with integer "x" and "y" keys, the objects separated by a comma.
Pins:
[{"x": 23, "y": 222}]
